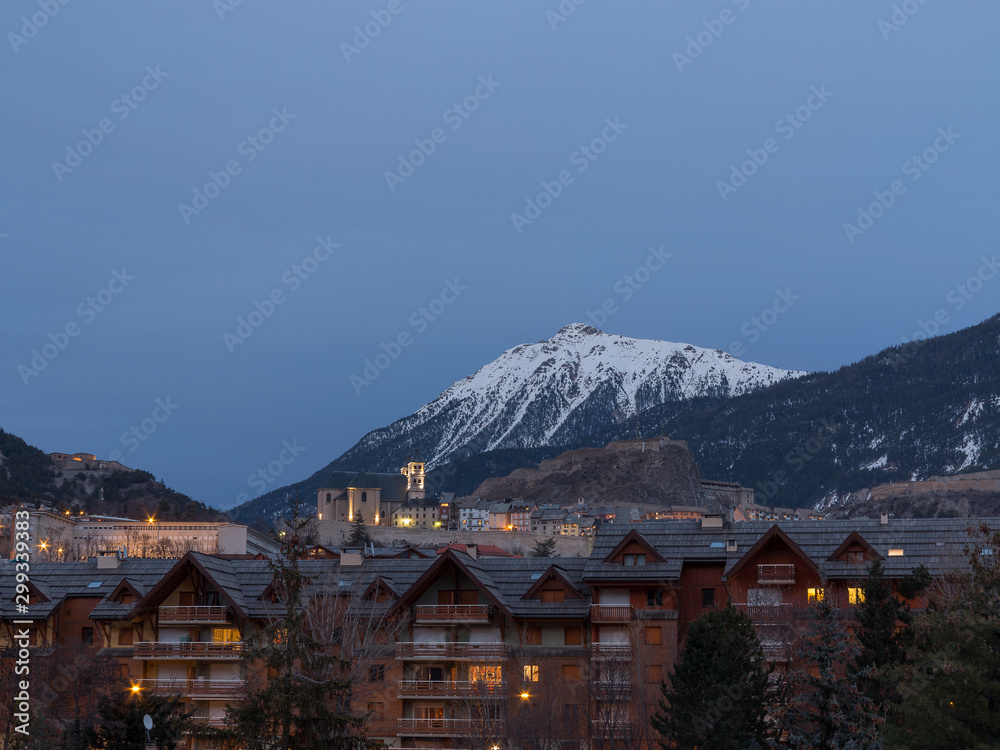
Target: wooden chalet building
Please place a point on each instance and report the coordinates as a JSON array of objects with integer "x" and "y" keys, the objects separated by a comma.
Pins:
[{"x": 468, "y": 650}]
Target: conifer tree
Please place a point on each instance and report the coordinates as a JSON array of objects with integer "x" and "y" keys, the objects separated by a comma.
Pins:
[
  {"x": 719, "y": 694},
  {"x": 544, "y": 548},
  {"x": 827, "y": 709},
  {"x": 359, "y": 532},
  {"x": 949, "y": 685}
]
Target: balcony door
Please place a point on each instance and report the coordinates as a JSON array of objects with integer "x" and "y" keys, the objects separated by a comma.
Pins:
[{"x": 768, "y": 597}]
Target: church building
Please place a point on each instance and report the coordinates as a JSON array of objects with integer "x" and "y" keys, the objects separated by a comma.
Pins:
[{"x": 373, "y": 496}]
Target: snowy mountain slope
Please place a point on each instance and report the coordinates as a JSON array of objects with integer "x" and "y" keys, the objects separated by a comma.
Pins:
[{"x": 551, "y": 392}]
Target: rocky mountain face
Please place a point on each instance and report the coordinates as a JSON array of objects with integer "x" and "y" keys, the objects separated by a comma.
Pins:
[{"x": 634, "y": 472}]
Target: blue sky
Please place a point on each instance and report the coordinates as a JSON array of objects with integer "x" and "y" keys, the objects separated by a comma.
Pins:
[{"x": 368, "y": 173}]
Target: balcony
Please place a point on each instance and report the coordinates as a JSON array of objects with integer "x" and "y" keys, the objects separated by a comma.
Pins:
[
  {"x": 775, "y": 575},
  {"x": 610, "y": 613},
  {"x": 203, "y": 689},
  {"x": 451, "y": 613},
  {"x": 453, "y": 651},
  {"x": 610, "y": 651},
  {"x": 437, "y": 727},
  {"x": 193, "y": 650},
  {"x": 194, "y": 615},
  {"x": 200, "y": 723},
  {"x": 443, "y": 689},
  {"x": 767, "y": 613},
  {"x": 610, "y": 690},
  {"x": 618, "y": 727}
]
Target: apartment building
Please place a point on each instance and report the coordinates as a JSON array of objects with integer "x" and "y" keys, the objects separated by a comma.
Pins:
[
  {"x": 63, "y": 537},
  {"x": 476, "y": 649}
]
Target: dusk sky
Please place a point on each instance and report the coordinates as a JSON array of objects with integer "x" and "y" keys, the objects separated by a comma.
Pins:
[{"x": 472, "y": 176}]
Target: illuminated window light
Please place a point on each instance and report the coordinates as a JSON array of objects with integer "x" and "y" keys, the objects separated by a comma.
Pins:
[{"x": 895, "y": 553}]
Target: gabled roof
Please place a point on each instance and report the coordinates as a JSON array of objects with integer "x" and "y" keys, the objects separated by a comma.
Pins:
[
  {"x": 553, "y": 573},
  {"x": 854, "y": 538},
  {"x": 216, "y": 570},
  {"x": 124, "y": 585},
  {"x": 775, "y": 532},
  {"x": 466, "y": 565},
  {"x": 629, "y": 538}
]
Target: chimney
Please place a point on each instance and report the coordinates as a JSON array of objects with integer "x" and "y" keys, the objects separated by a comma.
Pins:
[
  {"x": 351, "y": 558},
  {"x": 472, "y": 551},
  {"x": 883, "y": 519},
  {"x": 107, "y": 562},
  {"x": 711, "y": 522}
]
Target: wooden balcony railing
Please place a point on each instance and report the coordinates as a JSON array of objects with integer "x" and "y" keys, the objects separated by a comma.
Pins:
[
  {"x": 775, "y": 574},
  {"x": 767, "y": 613},
  {"x": 611, "y": 612},
  {"x": 199, "y": 723},
  {"x": 192, "y": 650},
  {"x": 476, "y": 651},
  {"x": 453, "y": 613},
  {"x": 436, "y": 727},
  {"x": 446, "y": 689},
  {"x": 194, "y": 688},
  {"x": 610, "y": 650},
  {"x": 194, "y": 615},
  {"x": 611, "y": 690},
  {"x": 618, "y": 727}
]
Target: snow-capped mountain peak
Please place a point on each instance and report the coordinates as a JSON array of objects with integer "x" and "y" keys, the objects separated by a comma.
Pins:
[{"x": 580, "y": 379}]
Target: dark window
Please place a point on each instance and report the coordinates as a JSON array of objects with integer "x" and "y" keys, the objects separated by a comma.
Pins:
[
  {"x": 708, "y": 597},
  {"x": 554, "y": 596},
  {"x": 654, "y": 597},
  {"x": 328, "y": 497},
  {"x": 856, "y": 557},
  {"x": 126, "y": 636},
  {"x": 634, "y": 560},
  {"x": 534, "y": 636},
  {"x": 364, "y": 497},
  {"x": 376, "y": 673},
  {"x": 574, "y": 636},
  {"x": 87, "y": 635},
  {"x": 570, "y": 712}
]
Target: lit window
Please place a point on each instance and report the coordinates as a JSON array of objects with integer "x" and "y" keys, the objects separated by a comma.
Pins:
[
  {"x": 895, "y": 553},
  {"x": 815, "y": 595},
  {"x": 225, "y": 635},
  {"x": 855, "y": 595},
  {"x": 531, "y": 673},
  {"x": 492, "y": 676}
]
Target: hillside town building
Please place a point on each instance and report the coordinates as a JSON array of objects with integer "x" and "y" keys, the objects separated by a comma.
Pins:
[{"x": 372, "y": 496}]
